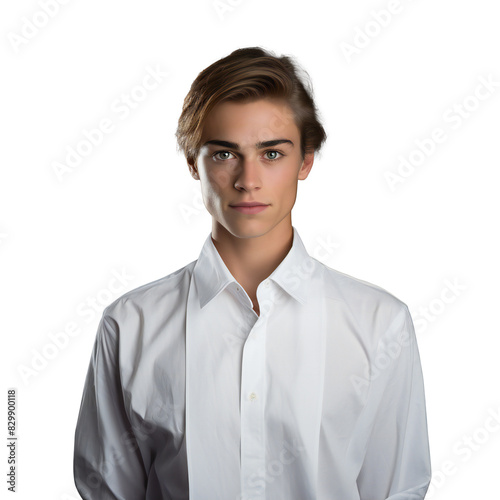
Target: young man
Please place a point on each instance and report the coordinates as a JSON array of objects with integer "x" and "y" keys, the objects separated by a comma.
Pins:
[{"x": 254, "y": 372}]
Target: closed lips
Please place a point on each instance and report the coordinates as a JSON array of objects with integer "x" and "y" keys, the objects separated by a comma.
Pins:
[{"x": 249, "y": 204}]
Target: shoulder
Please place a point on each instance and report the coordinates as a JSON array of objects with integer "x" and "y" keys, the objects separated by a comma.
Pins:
[
  {"x": 167, "y": 293},
  {"x": 368, "y": 304}
]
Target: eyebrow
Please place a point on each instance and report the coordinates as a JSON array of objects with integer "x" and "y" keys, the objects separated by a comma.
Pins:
[{"x": 258, "y": 145}]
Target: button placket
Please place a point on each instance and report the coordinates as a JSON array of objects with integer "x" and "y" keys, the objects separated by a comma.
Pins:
[{"x": 252, "y": 411}]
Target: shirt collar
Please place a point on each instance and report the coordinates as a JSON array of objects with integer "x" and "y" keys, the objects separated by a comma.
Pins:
[{"x": 293, "y": 274}]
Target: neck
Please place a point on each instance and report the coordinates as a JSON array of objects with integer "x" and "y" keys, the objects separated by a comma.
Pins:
[{"x": 252, "y": 259}]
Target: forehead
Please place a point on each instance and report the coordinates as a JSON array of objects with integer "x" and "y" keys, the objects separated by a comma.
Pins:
[{"x": 257, "y": 120}]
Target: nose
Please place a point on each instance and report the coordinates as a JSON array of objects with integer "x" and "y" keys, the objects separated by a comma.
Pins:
[{"x": 247, "y": 174}]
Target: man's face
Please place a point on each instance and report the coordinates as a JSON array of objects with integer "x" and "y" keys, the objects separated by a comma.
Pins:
[{"x": 237, "y": 164}]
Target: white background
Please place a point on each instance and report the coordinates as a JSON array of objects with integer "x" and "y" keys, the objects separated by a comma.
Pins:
[{"x": 131, "y": 206}]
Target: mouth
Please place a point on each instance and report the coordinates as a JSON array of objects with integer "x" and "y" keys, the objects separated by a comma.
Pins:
[
  {"x": 249, "y": 208},
  {"x": 249, "y": 204}
]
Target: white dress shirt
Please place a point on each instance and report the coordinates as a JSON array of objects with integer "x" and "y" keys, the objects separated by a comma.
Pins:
[{"x": 191, "y": 394}]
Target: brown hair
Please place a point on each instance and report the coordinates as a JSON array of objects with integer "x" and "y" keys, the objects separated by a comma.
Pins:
[{"x": 248, "y": 74}]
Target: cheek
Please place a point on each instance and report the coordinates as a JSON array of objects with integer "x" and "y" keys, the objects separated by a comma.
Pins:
[
  {"x": 212, "y": 194},
  {"x": 216, "y": 179},
  {"x": 285, "y": 184}
]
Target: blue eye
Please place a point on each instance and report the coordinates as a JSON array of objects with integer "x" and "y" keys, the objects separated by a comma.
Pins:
[
  {"x": 222, "y": 152},
  {"x": 275, "y": 152}
]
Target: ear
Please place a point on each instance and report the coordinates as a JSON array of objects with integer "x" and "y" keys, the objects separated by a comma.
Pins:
[
  {"x": 193, "y": 169},
  {"x": 307, "y": 164}
]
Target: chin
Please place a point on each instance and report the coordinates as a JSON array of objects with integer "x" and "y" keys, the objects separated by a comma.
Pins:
[{"x": 247, "y": 229}]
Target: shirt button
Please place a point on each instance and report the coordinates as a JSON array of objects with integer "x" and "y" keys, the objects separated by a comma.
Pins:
[
  {"x": 266, "y": 283},
  {"x": 252, "y": 396}
]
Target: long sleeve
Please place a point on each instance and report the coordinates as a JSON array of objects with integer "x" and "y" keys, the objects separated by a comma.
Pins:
[
  {"x": 107, "y": 462},
  {"x": 397, "y": 462}
]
